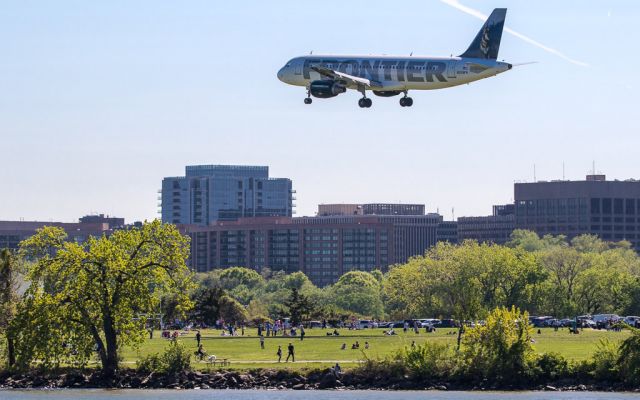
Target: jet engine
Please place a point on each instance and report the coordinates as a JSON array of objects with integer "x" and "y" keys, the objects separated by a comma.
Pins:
[{"x": 325, "y": 89}]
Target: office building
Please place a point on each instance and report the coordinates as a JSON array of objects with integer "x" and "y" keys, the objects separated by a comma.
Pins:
[
  {"x": 13, "y": 232},
  {"x": 323, "y": 248},
  {"x": 370, "y": 209},
  {"x": 209, "y": 193},
  {"x": 114, "y": 222},
  {"x": 496, "y": 228},
  {"x": 608, "y": 209}
]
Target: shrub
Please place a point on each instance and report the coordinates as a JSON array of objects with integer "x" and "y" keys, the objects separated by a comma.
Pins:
[
  {"x": 604, "y": 360},
  {"x": 428, "y": 361},
  {"x": 176, "y": 358},
  {"x": 149, "y": 363},
  {"x": 551, "y": 366},
  {"x": 501, "y": 349},
  {"x": 628, "y": 362}
]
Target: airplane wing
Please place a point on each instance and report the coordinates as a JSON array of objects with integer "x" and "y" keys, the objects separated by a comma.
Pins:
[{"x": 350, "y": 78}]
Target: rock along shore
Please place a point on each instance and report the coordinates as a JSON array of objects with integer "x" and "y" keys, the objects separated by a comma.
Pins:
[{"x": 260, "y": 379}]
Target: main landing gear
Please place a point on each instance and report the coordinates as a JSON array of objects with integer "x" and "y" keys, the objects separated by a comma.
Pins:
[
  {"x": 365, "y": 102},
  {"x": 406, "y": 101}
]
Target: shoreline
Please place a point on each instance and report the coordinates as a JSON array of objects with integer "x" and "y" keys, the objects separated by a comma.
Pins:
[{"x": 268, "y": 379}]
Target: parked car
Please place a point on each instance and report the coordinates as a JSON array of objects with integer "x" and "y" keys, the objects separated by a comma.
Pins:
[
  {"x": 566, "y": 322},
  {"x": 540, "y": 322},
  {"x": 632, "y": 320},
  {"x": 446, "y": 323},
  {"x": 366, "y": 324},
  {"x": 314, "y": 324}
]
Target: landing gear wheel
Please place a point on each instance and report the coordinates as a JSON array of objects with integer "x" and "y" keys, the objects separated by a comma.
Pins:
[
  {"x": 362, "y": 103},
  {"x": 308, "y": 100},
  {"x": 368, "y": 102},
  {"x": 406, "y": 102}
]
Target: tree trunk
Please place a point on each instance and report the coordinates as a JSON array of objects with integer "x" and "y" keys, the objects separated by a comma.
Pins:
[
  {"x": 110, "y": 362},
  {"x": 11, "y": 352},
  {"x": 460, "y": 330}
]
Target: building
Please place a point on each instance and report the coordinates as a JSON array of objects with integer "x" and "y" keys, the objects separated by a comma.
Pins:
[
  {"x": 13, "y": 232},
  {"x": 370, "y": 209},
  {"x": 447, "y": 232},
  {"x": 608, "y": 209},
  {"x": 323, "y": 248},
  {"x": 114, "y": 222},
  {"x": 326, "y": 210},
  {"x": 209, "y": 193},
  {"x": 496, "y": 228}
]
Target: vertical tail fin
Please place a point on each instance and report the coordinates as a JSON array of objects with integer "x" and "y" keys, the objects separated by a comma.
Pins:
[{"x": 487, "y": 41}]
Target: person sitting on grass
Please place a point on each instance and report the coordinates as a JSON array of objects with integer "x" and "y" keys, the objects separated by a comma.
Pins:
[
  {"x": 344, "y": 346},
  {"x": 366, "y": 345},
  {"x": 336, "y": 333}
]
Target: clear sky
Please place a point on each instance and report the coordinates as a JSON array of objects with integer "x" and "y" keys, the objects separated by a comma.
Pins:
[{"x": 100, "y": 100}]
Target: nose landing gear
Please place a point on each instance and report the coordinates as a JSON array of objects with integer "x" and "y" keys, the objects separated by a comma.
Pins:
[{"x": 308, "y": 100}]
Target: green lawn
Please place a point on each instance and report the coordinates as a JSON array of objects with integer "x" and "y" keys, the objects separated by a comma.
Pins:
[{"x": 319, "y": 350}]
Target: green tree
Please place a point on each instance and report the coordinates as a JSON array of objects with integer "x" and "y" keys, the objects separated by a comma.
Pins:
[
  {"x": 232, "y": 277},
  {"x": 299, "y": 307},
  {"x": 8, "y": 297},
  {"x": 231, "y": 310},
  {"x": 206, "y": 305},
  {"x": 360, "y": 293},
  {"x": 89, "y": 296}
]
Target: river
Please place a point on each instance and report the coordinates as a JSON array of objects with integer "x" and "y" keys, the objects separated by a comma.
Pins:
[{"x": 73, "y": 394}]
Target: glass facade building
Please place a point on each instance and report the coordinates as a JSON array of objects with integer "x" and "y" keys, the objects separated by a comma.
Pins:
[{"x": 209, "y": 193}]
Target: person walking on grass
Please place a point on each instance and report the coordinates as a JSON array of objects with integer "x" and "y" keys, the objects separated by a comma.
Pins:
[
  {"x": 262, "y": 342},
  {"x": 302, "y": 333},
  {"x": 198, "y": 337},
  {"x": 279, "y": 353},
  {"x": 290, "y": 353}
]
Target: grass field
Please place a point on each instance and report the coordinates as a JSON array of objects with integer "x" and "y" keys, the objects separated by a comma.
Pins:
[{"x": 319, "y": 350}]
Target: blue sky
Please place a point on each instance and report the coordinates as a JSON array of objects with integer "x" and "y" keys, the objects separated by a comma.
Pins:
[{"x": 100, "y": 100}]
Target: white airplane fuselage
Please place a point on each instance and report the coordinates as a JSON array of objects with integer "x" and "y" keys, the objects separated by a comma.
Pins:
[{"x": 392, "y": 72}]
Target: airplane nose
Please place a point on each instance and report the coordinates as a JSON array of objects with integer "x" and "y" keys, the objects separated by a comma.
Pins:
[{"x": 281, "y": 74}]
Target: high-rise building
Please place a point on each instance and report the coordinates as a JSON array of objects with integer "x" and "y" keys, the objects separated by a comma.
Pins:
[
  {"x": 608, "y": 209},
  {"x": 209, "y": 193}
]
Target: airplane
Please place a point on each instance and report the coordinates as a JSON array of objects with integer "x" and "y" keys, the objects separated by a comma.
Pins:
[{"x": 326, "y": 76}]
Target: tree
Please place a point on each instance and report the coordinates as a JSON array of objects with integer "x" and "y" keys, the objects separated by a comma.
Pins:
[
  {"x": 8, "y": 297},
  {"x": 359, "y": 292},
  {"x": 299, "y": 306},
  {"x": 232, "y": 277},
  {"x": 206, "y": 305},
  {"x": 90, "y": 296},
  {"x": 231, "y": 310},
  {"x": 564, "y": 266}
]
